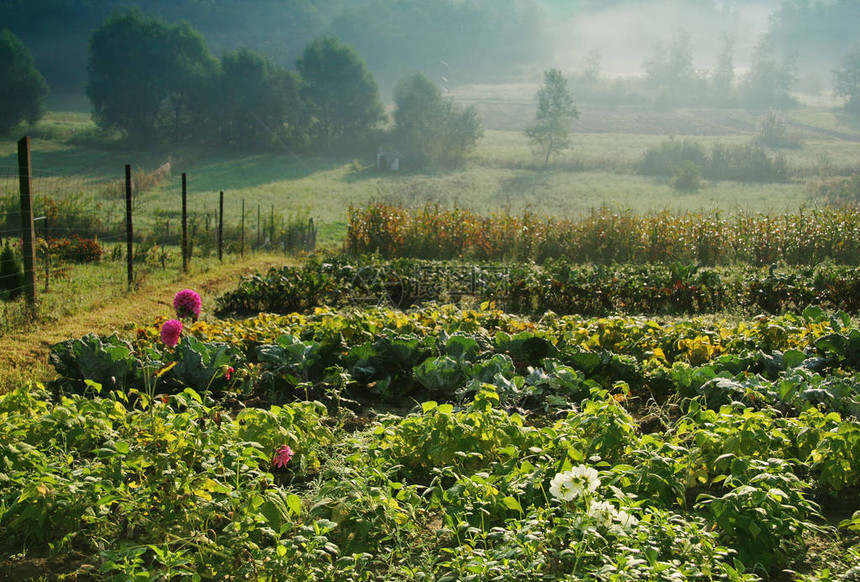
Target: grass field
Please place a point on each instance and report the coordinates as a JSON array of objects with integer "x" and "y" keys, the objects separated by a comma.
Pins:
[{"x": 503, "y": 174}]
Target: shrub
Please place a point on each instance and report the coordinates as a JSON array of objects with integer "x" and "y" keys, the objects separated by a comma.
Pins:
[
  {"x": 687, "y": 177},
  {"x": 663, "y": 160},
  {"x": 11, "y": 274},
  {"x": 770, "y": 128},
  {"x": 750, "y": 162},
  {"x": 76, "y": 249}
]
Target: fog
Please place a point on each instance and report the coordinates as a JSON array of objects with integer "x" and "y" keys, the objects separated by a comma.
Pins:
[
  {"x": 625, "y": 34},
  {"x": 457, "y": 42}
]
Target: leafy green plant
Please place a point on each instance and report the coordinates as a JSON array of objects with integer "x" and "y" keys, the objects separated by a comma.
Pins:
[
  {"x": 108, "y": 361},
  {"x": 764, "y": 516},
  {"x": 11, "y": 274}
]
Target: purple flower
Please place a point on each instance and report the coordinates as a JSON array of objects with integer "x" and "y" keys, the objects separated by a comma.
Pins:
[
  {"x": 282, "y": 456},
  {"x": 170, "y": 332},
  {"x": 187, "y": 304}
]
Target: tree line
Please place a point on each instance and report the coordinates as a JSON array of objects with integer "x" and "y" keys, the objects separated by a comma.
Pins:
[
  {"x": 158, "y": 82},
  {"x": 671, "y": 78},
  {"x": 479, "y": 39}
]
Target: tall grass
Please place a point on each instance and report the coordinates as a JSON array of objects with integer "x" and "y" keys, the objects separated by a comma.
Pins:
[{"x": 607, "y": 236}]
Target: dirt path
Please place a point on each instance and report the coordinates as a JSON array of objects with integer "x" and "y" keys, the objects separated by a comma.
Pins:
[{"x": 24, "y": 355}]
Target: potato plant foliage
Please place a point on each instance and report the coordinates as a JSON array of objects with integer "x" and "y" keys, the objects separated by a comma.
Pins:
[{"x": 710, "y": 447}]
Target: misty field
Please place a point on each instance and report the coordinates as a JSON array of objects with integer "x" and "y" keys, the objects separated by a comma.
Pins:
[{"x": 600, "y": 170}]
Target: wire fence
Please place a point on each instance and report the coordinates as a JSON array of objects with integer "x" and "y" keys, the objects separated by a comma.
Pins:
[{"x": 81, "y": 224}]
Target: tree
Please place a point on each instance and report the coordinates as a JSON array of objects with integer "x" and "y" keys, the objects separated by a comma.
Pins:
[
  {"x": 258, "y": 101},
  {"x": 22, "y": 88},
  {"x": 551, "y": 132},
  {"x": 768, "y": 82},
  {"x": 846, "y": 81},
  {"x": 342, "y": 94},
  {"x": 670, "y": 71},
  {"x": 724, "y": 73},
  {"x": 440, "y": 129},
  {"x": 149, "y": 79},
  {"x": 592, "y": 72}
]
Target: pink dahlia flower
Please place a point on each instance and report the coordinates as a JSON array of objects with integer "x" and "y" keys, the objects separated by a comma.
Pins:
[
  {"x": 170, "y": 332},
  {"x": 282, "y": 456},
  {"x": 187, "y": 303}
]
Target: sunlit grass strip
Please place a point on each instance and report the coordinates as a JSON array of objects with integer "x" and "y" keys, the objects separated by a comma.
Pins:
[{"x": 606, "y": 236}]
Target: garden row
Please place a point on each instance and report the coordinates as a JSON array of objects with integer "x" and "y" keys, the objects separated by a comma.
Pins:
[
  {"x": 606, "y": 236},
  {"x": 555, "y": 286},
  {"x": 610, "y": 448},
  {"x": 383, "y": 356}
]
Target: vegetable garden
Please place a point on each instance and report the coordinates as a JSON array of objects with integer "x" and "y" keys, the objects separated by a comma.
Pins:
[
  {"x": 639, "y": 394},
  {"x": 352, "y": 439}
]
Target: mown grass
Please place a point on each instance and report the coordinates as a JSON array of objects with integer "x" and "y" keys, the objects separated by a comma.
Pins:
[
  {"x": 96, "y": 298},
  {"x": 77, "y": 288}
]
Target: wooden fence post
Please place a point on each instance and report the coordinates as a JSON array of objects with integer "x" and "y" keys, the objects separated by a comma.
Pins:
[
  {"x": 47, "y": 255},
  {"x": 129, "y": 227},
  {"x": 28, "y": 229},
  {"x": 221, "y": 227},
  {"x": 184, "y": 225}
]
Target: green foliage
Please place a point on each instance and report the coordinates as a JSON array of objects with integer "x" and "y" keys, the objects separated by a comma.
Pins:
[
  {"x": 462, "y": 485},
  {"x": 440, "y": 437},
  {"x": 11, "y": 274},
  {"x": 22, "y": 87},
  {"x": 558, "y": 286},
  {"x": 75, "y": 249},
  {"x": 341, "y": 93},
  {"x": 550, "y": 135},
  {"x": 147, "y": 78},
  {"x": 846, "y": 81},
  {"x": 108, "y": 362},
  {"x": 772, "y": 130},
  {"x": 200, "y": 365},
  {"x": 437, "y": 129},
  {"x": 743, "y": 162},
  {"x": 768, "y": 83},
  {"x": 670, "y": 72},
  {"x": 765, "y": 517},
  {"x": 687, "y": 177},
  {"x": 259, "y": 102}
]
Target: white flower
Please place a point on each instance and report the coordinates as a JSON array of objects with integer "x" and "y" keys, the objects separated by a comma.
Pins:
[
  {"x": 563, "y": 487},
  {"x": 589, "y": 477},
  {"x": 627, "y": 520},
  {"x": 571, "y": 484},
  {"x": 603, "y": 512}
]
